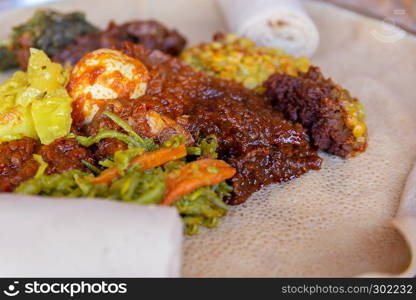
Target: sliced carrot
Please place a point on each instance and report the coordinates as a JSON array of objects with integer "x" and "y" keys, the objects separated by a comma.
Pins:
[
  {"x": 106, "y": 176},
  {"x": 146, "y": 161},
  {"x": 159, "y": 157},
  {"x": 204, "y": 172}
]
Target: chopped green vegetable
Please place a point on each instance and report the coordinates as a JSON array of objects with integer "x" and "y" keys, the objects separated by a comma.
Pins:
[
  {"x": 122, "y": 158},
  {"x": 194, "y": 151},
  {"x": 132, "y": 139},
  {"x": 208, "y": 146},
  {"x": 175, "y": 141},
  {"x": 88, "y": 141},
  {"x": 50, "y": 31},
  {"x": 146, "y": 143},
  {"x": 140, "y": 187},
  {"x": 202, "y": 207},
  {"x": 53, "y": 185},
  {"x": 107, "y": 163},
  {"x": 90, "y": 166}
]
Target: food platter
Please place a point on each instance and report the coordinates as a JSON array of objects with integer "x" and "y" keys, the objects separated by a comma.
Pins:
[{"x": 332, "y": 222}]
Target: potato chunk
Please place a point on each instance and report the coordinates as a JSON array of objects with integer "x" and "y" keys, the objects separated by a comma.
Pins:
[{"x": 36, "y": 104}]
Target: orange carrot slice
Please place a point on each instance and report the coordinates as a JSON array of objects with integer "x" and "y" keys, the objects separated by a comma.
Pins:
[
  {"x": 106, "y": 176},
  {"x": 204, "y": 172},
  {"x": 146, "y": 161},
  {"x": 159, "y": 157}
]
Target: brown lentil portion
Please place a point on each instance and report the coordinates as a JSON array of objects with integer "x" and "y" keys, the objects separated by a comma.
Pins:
[
  {"x": 65, "y": 154},
  {"x": 334, "y": 119}
]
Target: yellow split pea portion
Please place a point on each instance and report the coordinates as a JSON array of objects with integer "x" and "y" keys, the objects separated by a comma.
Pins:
[{"x": 239, "y": 59}]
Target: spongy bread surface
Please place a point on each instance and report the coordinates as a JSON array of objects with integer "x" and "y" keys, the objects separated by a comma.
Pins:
[{"x": 334, "y": 222}]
